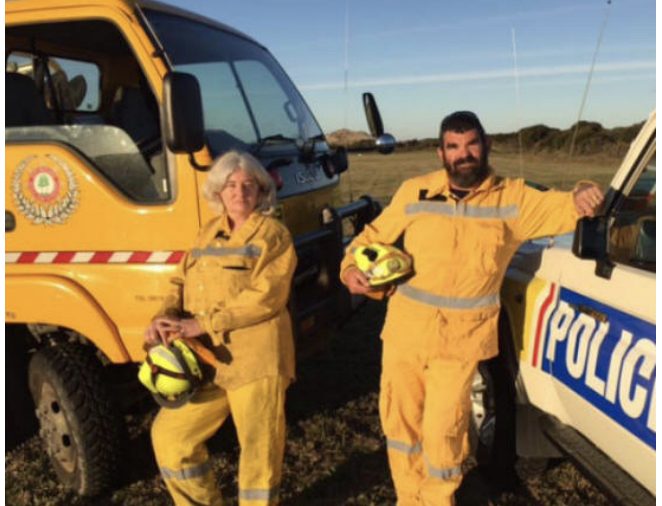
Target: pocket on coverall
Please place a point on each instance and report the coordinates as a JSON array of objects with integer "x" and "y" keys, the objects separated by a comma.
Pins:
[{"x": 488, "y": 240}]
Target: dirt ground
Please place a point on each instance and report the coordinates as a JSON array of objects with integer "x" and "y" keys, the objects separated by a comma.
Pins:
[{"x": 335, "y": 452}]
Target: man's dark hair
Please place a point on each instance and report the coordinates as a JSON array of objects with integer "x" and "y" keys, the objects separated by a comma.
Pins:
[{"x": 461, "y": 121}]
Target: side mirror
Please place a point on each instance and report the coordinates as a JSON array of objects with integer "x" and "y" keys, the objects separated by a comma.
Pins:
[
  {"x": 590, "y": 240},
  {"x": 339, "y": 160},
  {"x": 384, "y": 142},
  {"x": 183, "y": 120}
]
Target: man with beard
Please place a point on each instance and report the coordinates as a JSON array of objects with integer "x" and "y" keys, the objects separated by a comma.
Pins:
[{"x": 461, "y": 226}]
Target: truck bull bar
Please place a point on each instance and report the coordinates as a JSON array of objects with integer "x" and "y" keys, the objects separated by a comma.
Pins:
[{"x": 318, "y": 299}]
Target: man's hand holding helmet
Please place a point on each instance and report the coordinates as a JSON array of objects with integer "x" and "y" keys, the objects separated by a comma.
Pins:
[{"x": 378, "y": 267}]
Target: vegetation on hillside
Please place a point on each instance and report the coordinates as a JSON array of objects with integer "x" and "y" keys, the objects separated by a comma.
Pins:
[{"x": 592, "y": 139}]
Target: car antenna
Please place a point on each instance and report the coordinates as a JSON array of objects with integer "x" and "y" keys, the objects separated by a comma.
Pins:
[
  {"x": 518, "y": 119},
  {"x": 588, "y": 80}
]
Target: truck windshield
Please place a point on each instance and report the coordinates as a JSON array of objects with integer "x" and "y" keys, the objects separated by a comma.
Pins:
[{"x": 249, "y": 103}]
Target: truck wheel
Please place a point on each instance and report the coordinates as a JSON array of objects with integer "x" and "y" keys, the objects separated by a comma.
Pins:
[
  {"x": 493, "y": 424},
  {"x": 78, "y": 424},
  {"x": 483, "y": 415}
]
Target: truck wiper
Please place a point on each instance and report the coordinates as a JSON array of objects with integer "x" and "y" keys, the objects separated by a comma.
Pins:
[
  {"x": 272, "y": 140},
  {"x": 308, "y": 147}
]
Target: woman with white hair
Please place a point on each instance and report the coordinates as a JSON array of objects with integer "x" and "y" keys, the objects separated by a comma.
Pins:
[{"x": 232, "y": 298}]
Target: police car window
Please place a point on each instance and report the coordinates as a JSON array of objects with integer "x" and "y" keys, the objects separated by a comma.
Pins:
[{"x": 632, "y": 233}]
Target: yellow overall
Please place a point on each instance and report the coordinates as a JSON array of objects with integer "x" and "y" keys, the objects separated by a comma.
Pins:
[
  {"x": 443, "y": 320},
  {"x": 237, "y": 285}
]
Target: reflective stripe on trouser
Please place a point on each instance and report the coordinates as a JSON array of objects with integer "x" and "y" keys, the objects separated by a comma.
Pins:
[
  {"x": 424, "y": 409},
  {"x": 179, "y": 436}
]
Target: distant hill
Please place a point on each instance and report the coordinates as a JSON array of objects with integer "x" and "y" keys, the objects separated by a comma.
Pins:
[
  {"x": 592, "y": 139},
  {"x": 346, "y": 137}
]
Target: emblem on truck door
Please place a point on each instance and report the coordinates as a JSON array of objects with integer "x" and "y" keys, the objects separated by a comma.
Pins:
[{"x": 45, "y": 189}]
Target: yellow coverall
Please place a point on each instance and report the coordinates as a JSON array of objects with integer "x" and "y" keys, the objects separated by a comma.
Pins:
[
  {"x": 441, "y": 322},
  {"x": 237, "y": 285}
]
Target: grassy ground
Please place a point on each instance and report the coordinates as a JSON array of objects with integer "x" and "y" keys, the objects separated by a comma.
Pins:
[
  {"x": 335, "y": 453},
  {"x": 379, "y": 175}
]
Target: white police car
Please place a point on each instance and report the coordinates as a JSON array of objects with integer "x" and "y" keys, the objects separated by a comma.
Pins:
[{"x": 577, "y": 366}]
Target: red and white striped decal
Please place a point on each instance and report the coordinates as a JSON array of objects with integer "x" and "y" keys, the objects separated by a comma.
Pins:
[
  {"x": 541, "y": 323},
  {"x": 93, "y": 257}
]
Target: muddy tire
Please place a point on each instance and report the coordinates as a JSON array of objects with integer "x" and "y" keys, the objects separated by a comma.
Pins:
[
  {"x": 78, "y": 423},
  {"x": 493, "y": 429}
]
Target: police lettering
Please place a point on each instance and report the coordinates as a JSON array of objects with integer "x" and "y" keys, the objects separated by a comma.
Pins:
[{"x": 629, "y": 362}]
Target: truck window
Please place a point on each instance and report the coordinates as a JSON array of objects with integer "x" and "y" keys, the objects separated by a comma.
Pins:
[
  {"x": 632, "y": 232},
  {"x": 110, "y": 116},
  {"x": 247, "y": 97},
  {"x": 69, "y": 85}
]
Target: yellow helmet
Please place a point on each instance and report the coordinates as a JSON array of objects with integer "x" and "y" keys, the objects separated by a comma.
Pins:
[
  {"x": 382, "y": 263},
  {"x": 172, "y": 373}
]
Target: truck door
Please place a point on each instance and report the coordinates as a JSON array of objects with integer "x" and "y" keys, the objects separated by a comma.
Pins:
[
  {"x": 92, "y": 194},
  {"x": 605, "y": 352}
]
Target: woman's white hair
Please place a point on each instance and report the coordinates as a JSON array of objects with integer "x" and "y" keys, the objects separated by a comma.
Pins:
[{"x": 232, "y": 161}]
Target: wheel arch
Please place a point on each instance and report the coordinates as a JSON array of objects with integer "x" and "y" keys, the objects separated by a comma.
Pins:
[{"x": 59, "y": 301}]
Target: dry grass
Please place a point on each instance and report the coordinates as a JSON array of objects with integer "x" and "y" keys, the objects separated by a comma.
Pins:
[
  {"x": 379, "y": 175},
  {"x": 335, "y": 453}
]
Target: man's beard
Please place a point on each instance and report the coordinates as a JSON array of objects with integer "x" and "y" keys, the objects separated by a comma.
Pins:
[{"x": 471, "y": 174}]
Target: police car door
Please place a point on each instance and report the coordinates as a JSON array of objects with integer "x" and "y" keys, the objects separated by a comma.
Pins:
[{"x": 606, "y": 357}]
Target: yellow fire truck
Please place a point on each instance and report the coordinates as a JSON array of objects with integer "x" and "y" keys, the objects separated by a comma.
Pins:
[{"x": 114, "y": 109}]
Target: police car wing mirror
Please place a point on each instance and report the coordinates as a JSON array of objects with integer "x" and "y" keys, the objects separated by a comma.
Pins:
[
  {"x": 590, "y": 242},
  {"x": 384, "y": 142}
]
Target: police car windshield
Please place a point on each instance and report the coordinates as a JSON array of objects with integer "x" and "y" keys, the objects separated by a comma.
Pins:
[{"x": 247, "y": 98}]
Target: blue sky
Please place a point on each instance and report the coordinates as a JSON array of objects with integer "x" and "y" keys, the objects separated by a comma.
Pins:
[{"x": 425, "y": 58}]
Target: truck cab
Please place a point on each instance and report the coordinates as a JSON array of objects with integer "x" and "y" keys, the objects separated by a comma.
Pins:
[{"x": 114, "y": 110}]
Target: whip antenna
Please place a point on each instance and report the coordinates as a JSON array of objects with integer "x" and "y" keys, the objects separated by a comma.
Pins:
[
  {"x": 517, "y": 105},
  {"x": 346, "y": 90},
  {"x": 588, "y": 81}
]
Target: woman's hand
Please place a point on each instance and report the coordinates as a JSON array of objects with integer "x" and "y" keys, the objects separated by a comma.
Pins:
[
  {"x": 162, "y": 330},
  {"x": 190, "y": 327},
  {"x": 165, "y": 329}
]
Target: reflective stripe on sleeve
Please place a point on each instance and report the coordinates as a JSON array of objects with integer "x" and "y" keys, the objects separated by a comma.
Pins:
[
  {"x": 462, "y": 209},
  {"x": 250, "y": 251},
  {"x": 443, "y": 473},
  {"x": 188, "y": 473},
  {"x": 403, "y": 447},
  {"x": 258, "y": 494},
  {"x": 448, "y": 302}
]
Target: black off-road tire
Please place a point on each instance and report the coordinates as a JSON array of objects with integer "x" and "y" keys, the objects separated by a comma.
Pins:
[
  {"x": 493, "y": 432},
  {"x": 79, "y": 425}
]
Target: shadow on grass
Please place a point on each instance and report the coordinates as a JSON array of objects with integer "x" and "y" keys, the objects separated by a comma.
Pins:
[
  {"x": 348, "y": 369},
  {"x": 358, "y": 475}
]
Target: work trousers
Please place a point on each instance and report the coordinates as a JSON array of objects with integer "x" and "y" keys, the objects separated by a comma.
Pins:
[
  {"x": 179, "y": 437},
  {"x": 424, "y": 406}
]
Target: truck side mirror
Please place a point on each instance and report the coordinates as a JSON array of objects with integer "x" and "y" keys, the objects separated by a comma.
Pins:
[
  {"x": 590, "y": 240},
  {"x": 339, "y": 160},
  {"x": 183, "y": 120},
  {"x": 385, "y": 143}
]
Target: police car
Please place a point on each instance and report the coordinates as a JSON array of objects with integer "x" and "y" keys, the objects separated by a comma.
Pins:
[{"x": 577, "y": 366}]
